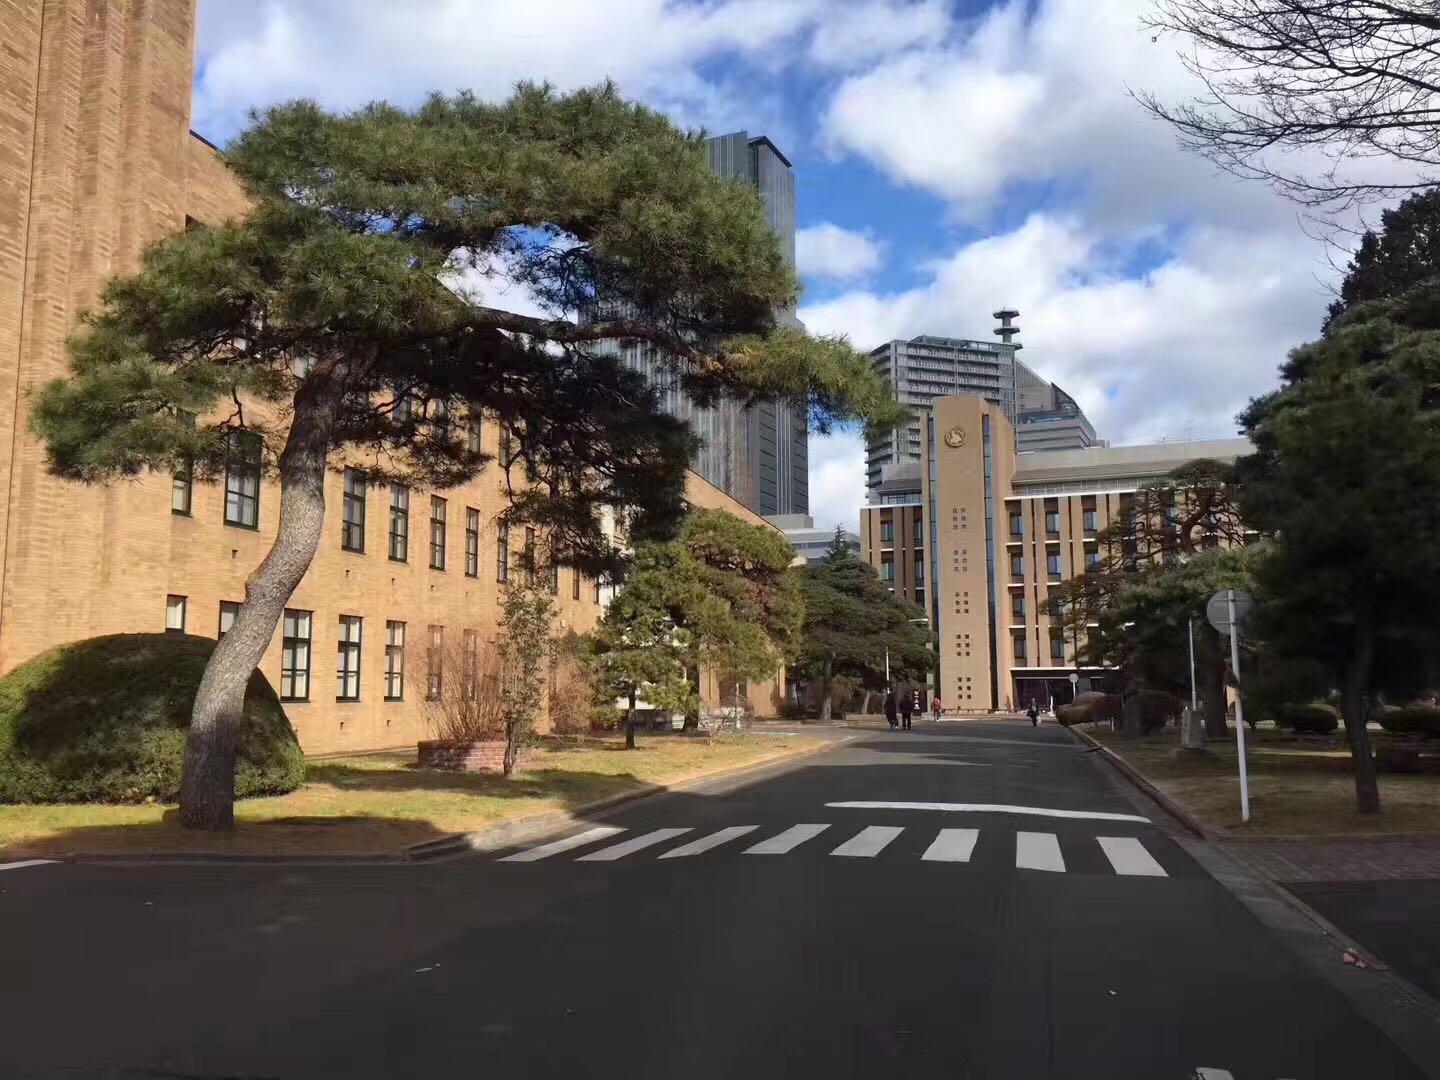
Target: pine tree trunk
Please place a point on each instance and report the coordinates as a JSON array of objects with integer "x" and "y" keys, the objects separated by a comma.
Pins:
[
  {"x": 692, "y": 712},
  {"x": 1354, "y": 705},
  {"x": 207, "y": 783},
  {"x": 630, "y": 723},
  {"x": 1213, "y": 687},
  {"x": 827, "y": 693},
  {"x": 512, "y": 749}
]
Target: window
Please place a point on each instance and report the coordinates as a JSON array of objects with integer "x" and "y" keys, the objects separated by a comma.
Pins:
[
  {"x": 473, "y": 432},
  {"x": 1089, "y": 520},
  {"x": 1019, "y": 649},
  {"x": 352, "y": 512},
  {"x": 920, "y": 597},
  {"x": 1015, "y": 524},
  {"x": 1017, "y": 609},
  {"x": 440, "y": 422},
  {"x": 598, "y": 584},
  {"x": 1052, "y": 522},
  {"x": 1052, "y": 605},
  {"x": 1017, "y": 566},
  {"x": 399, "y": 522},
  {"x": 437, "y": 533},
  {"x": 472, "y": 542},
  {"x": 529, "y": 556},
  {"x": 554, "y": 578},
  {"x": 175, "y": 614},
  {"x": 228, "y": 610},
  {"x": 575, "y": 586},
  {"x": 887, "y": 532},
  {"x": 242, "y": 480},
  {"x": 507, "y": 446},
  {"x": 1052, "y": 564},
  {"x": 347, "y": 660},
  {"x": 404, "y": 410},
  {"x": 919, "y": 532},
  {"x": 182, "y": 485},
  {"x": 1092, "y": 560},
  {"x": 887, "y": 570},
  {"x": 394, "y": 660},
  {"x": 1057, "y": 647},
  {"x": 502, "y": 553},
  {"x": 472, "y": 656},
  {"x": 295, "y": 656},
  {"x": 435, "y": 663},
  {"x": 919, "y": 571}
]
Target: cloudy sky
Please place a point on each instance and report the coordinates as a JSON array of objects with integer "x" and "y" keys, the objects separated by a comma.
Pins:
[{"x": 950, "y": 156}]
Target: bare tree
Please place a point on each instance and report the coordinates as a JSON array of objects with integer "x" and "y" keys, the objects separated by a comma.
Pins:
[
  {"x": 1348, "y": 79},
  {"x": 463, "y": 700}
]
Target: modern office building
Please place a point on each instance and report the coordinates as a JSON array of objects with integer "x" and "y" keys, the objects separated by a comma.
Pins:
[
  {"x": 1046, "y": 417},
  {"x": 96, "y": 161},
  {"x": 810, "y": 543},
  {"x": 986, "y": 532},
  {"x": 758, "y": 454}
]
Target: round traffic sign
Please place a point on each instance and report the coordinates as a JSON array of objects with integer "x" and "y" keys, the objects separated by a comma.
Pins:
[
  {"x": 1217, "y": 610},
  {"x": 1074, "y": 678}
]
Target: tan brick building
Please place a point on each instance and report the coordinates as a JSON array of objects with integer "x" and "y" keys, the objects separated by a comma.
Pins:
[
  {"x": 1000, "y": 529},
  {"x": 96, "y": 161}
]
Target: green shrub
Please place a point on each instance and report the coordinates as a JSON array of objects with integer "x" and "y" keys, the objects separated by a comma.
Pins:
[
  {"x": 1412, "y": 720},
  {"x": 1089, "y": 707},
  {"x": 104, "y": 720},
  {"x": 1315, "y": 718},
  {"x": 1157, "y": 708}
]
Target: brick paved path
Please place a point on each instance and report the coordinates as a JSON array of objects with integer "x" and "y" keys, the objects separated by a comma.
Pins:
[{"x": 1407, "y": 859}]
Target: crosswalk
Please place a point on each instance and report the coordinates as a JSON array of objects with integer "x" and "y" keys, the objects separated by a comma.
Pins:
[{"x": 1127, "y": 856}]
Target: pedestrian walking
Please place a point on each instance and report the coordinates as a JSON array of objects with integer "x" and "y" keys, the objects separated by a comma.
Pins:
[
  {"x": 890, "y": 708},
  {"x": 1034, "y": 715},
  {"x": 907, "y": 710},
  {"x": 935, "y": 709}
]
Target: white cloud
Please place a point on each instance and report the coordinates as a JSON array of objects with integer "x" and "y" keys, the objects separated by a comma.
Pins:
[
  {"x": 851, "y": 36},
  {"x": 827, "y": 250},
  {"x": 837, "y": 479}
]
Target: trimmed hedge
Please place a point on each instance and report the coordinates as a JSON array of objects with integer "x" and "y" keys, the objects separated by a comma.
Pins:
[
  {"x": 104, "y": 720},
  {"x": 1315, "y": 718},
  {"x": 1091, "y": 706},
  {"x": 1412, "y": 720}
]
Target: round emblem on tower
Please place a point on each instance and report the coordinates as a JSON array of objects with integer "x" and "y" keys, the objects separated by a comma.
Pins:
[{"x": 955, "y": 437}]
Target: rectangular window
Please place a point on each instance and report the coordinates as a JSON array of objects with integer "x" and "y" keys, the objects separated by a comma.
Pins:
[
  {"x": 175, "y": 614},
  {"x": 1017, "y": 566},
  {"x": 529, "y": 556},
  {"x": 502, "y": 553},
  {"x": 919, "y": 571},
  {"x": 352, "y": 512},
  {"x": 1052, "y": 522},
  {"x": 575, "y": 586},
  {"x": 437, "y": 533},
  {"x": 1052, "y": 564},
  {"x": 1057, "y": 647},
  {"x": 471, "y": 673},
  {"x": 440, "y": 422},
  {"x": 242, "y": 480},
  {"x": 228, "y": 610},
  {"x": 1091, "y": 522},
  {"x": 887, "y": 533},
  {"x": 399, "y": 522},
  {"x": 1092, "y": 560},
  {"x": 295, "y": 656},
  {"x": 473, "y": 432},
  {"x": 919, "y": 532},
  {"x": 1019, "y": 649},
  {"x": 554, "y": 578},
  {"x": 598, "y": 584},
  {"x": 507, "y": 446},
  {"x": 1017, "y": 609},
  {"x": 887, "y": 570},
  {"x": 394, "y": 660},
  {"x": 404, "y": 409},
  {"x": 347, "y": 659},
  {"x": 1015, "y": 525},
  {"x": 472, "y": 542},
  {"x": 181, "y": 490},
  {"x": 435, "y": 664}
]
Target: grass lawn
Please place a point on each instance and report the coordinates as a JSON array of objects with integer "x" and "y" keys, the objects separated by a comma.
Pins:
[
  {"x": 381, "y": 802},
  {"x": 1298, "y": 786}
]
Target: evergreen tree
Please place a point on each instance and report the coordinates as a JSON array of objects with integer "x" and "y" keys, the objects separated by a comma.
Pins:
[
  {"x": 344, "y": 321},
  {"x": 1403, "y": 254},
  {"x": 852, "y": 621}
]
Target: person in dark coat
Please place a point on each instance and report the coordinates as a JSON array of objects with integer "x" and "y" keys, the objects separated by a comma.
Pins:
[
  {"x": 1034, "y": 715},
  {"x": 890, "y": 707},
  {"x": 907, "y": 709}
]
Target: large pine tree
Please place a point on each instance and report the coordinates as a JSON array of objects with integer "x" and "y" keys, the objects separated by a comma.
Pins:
[{"x": 346, "y": 319}]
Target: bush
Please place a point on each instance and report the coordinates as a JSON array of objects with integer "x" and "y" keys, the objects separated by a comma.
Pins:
[
  {"x": 104, "y": 720},
  {"x": 1412, "y": 720},
  {"x": 1316, "y": 718},
  {"x": 1089, "y": 707},
  {"x": 1157, "y": 708}
]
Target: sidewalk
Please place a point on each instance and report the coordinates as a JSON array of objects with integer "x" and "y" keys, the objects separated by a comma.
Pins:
[{"x": 1409, "y": 858}]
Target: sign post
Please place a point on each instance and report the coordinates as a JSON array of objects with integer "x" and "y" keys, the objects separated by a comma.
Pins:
[{"x": 1227, "y": 610}]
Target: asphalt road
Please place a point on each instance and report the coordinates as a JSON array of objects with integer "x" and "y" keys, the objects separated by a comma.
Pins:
[{"x": 1032, "y": 949}]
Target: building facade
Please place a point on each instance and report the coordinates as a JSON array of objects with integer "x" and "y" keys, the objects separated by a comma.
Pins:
[
  {"x": 810, "y": 543},
  {"x": 98, "y": 161},
  {"x": 988, "y": 531}
]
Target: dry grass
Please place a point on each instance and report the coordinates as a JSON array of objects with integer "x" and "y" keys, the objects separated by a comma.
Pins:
[
  {"x": 381, "y": 803},
  {"x": 1298, "y": 786}
]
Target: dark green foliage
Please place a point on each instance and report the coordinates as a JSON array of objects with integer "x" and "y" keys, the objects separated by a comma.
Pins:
[
  {"x": 1412, "y": 720},
  {"x": 1312, "y": 719},
  {"x": 1155, "y": 708},
  {"x": 104, "y": 720},
  {"x": 1405, "y": 253}
]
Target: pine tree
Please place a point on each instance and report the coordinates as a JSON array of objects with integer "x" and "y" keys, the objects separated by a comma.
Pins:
[{"x": 334, "y": 324}]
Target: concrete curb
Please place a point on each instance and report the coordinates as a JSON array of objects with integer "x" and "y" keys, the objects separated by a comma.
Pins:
[
  {"x": 537, "y": 826},
  {"x": 1169, "y": 805}
]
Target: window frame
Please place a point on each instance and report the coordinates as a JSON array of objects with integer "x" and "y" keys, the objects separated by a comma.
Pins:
[
  {"x": 472, "y": 542},
  {"x": 289, "y": 668},
  {"x": 244, "y": 453},
  {"x": 502, "y": 552},
  {"x": 227, "y": 607},
  {"x": 438, "y": 529},
  {"x": 345, "y": 648},
  {"x": 184, "y": 606},
  {"x": 352, "y": 529},
  {"x": 394, "y": 660},
  {"x": 399, "y": 514},
  {"x": 434, "y": 661}
]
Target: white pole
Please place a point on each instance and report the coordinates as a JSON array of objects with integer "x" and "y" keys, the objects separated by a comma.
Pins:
[
  {"x": 1239, "y": 707},
  {"x": 887, "y": 667},
  {"x": 1194, "y": 701}
]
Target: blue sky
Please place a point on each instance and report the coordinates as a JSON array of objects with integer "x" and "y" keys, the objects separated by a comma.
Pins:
[{"x": 950, "y": 157}]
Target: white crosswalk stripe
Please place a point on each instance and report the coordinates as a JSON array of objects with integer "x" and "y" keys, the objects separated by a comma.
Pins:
[
  {"x": 868, "y": 842},
  {"x": 952, "y": 845},
  {"x": 786, "y": 841},
  {"x": 1038, "y": 851},
  {"x": 705, "y": 843},
  {"x": 1128, "y": 856},
  {"x": 634, "y": 844},
  {"x": 555, "y": 847}
]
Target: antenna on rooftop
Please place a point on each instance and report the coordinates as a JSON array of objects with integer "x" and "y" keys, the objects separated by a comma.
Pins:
[{"x": 1007, "y": 328}]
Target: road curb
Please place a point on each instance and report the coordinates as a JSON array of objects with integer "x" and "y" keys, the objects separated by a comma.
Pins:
[
  {"x": 1169, "y": 805},
  {"x": 537, "y": 826}
]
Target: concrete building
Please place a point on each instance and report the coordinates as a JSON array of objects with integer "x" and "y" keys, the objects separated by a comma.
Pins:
[
  {"x": 96, "y": 161},
  {"x": 991, "y": 531},
  {"x": 809, "y": 543},
  {"x": 759, "y": 454},
  {"x": 1046, "y": 417}
]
